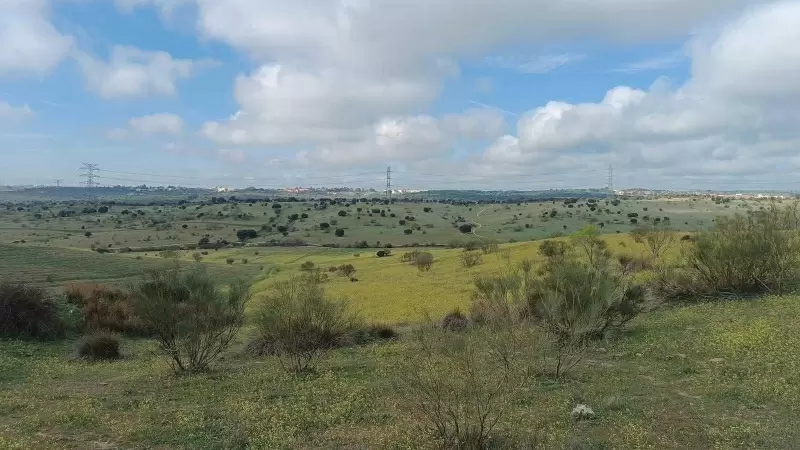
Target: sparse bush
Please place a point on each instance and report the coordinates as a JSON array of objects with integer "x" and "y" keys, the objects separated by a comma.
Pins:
[
  {"x": 193, "y": 320},
  {"x": 307, "y": 266},
  {"x": 28, "y": 312},
  {"x": 99, "y": 346},
  {"x": 455, "y": 321},
  {"x": 470, "y": 259},
  {"x": 460, "y": 385},
  {"x": 197, "y": 256},
  {"x": 300, "y": 322},
  {"x": 489, "y": 247},
  {"x": 230, "y": 261},
  {"x": 346, "y": 270},
  {"x": 104, "y": 308},
  {"x": 409, "y": 256}
]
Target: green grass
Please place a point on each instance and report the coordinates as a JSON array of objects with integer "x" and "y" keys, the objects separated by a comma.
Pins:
[
  {"x": 720, "y": 375},
  {"x": 56, "y": 266}
]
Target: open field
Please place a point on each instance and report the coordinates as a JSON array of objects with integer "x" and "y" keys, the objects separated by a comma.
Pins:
[
  {"x": 149, "y": 226},
  {"x": 706, "y": 376},
  {"x": 716, "y": 374}
]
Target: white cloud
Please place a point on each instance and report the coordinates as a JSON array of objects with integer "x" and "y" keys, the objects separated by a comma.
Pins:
[
  {"x": 132, "y": 73},
  {"x": 10, "y": 112},
  {"x": 154, "y": 124},
  {"x": 29, "y": 41},
  {"x": 157, "y": 124},
  {"x": 736, "y": 114},
  {"x": 333, "y": 70},
  {"x": 167, "y": 7}
]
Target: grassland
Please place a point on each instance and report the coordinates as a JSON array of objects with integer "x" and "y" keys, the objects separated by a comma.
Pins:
[
  {"x": 148, "y": 226},
  {"x": 718, "y": 375}
]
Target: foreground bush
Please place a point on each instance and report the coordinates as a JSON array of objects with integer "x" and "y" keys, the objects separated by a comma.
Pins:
[
  {"x": 458, "y": 386},
  {"x": 104, "y": 308},
  {"x": 749, "y": 254},
  {"x": 99, "y": 346},
  {"x": 299, "y": 322},
  {"x": 192, "y": 318},
  {"x": 28, "y": 312}
]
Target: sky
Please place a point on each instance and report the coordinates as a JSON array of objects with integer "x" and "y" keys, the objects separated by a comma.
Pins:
[{"x": 456, "y": 94}]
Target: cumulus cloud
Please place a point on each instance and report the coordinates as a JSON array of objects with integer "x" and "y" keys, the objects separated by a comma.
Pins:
[
  {"x": 30, "y": 42},
  {"x": 333, "y": 71},
  {"x": 734, "y": 115},
  {"x": 132, "y": 73}
]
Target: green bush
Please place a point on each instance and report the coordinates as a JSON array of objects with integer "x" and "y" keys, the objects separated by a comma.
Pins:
[
  {"x": 300, "y": 322},
  {"x": 307, "y": 266},
  {"x": 28, "y": 312},
  {"x": 749, "y": 254},
  {"x": 423, "y": 261},
  {"x": 455, "y": 321},
  {"x": 553, "y": 249},
  {"x": 470, "y": 259},
  {"x": 99, "y": 346},
  {"x": 193, "y": 320}
]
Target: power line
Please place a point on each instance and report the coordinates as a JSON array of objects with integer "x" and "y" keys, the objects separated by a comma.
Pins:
[
  {"x": 610, "y": 180},
  {"x": 89, "y": 173}
]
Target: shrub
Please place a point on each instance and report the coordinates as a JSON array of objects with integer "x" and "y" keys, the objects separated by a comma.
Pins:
[
  {"x": 408, "y": 231},
  {"x": 307, "y": 266},
  {"x": 460, "y": 385},
  {"x": 300, "y": 322},
  {"x": 346, "y": 270},
  {"x": 339, "y": 232},
  {"x": 380, "y": 254},
  {"x": 423, "y": 261},
  {"x": 489, "y": 247},
  {"x": 99, "y": 346},
  {"x": 748, "y": 254},
  {"x": 245, "y": 260},
  {"x": 409, "y": 256},
  {"x": 455, "y": 321},
  {"x": 193, "y": 320},
  {"x": 553, "y": 249},
  {"x": 28, "y": 312},
  {"x": 402, "y": 222},
  {"x": 244, "y": 235},
  {"x": 104, "y": 308},
  {"x": 197, "y": 256},
  {"x": 470, "y": 259},
  {"x": 465, "y": 228},
  {"x": 589, "y": 241},
  {"x": 576, "y": 303},
  {"x": 230, "y": 261}
]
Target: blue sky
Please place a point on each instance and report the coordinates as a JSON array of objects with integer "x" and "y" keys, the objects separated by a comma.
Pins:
[{"x": 458, "y": 94}]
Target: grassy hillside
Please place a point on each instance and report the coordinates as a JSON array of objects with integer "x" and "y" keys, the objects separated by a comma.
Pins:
[
  {"x": 55, "y": 266},
  {"x": 705, "y": 376},
  {"x": 125, "y": 227}
]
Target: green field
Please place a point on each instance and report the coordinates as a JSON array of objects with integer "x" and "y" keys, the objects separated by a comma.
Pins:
[
  {"x": 170, "y": 225},
  {"x": 720, "y": 375}
]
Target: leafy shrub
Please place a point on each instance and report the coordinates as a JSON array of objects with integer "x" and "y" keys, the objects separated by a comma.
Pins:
[
  {"x": 759, "y": 252},
  {"x": 104, "y": 308},
  {"x": 192, "y": 319},
  {"x": 408, "y": 231},
  {"x": 339, "y": 232},
  {"x": 244, "y": 235},
  {"x": 99, "y": 346},
  {"x": 230, "y": 261},
  {"x": 470, "y": 259},
  {"x": 300, "y": 322},
  {"x": 346, "y": 270},
  {"x": 380, "y": 253},
  {"x": 455, "y": 321},
  {"x": 489, "y": 247},
  {"x": 465, "y": 228},
  {"x": 553, "y": 249},
  {"x": 409, "y": 256},
  {"x": 197, "y": 256},
  {"x": 307, "y": 266},
  {"x": 28, "y": 312},
  {"x": 423, "y": 261}
]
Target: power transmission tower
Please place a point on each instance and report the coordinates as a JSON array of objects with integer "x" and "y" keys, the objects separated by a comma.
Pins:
[
  {"x": 610, "y": 180},
  {"x": 58, "y": 183},
  {"x": 89, "y": 170},
  {"x": 389, "y": 183}
]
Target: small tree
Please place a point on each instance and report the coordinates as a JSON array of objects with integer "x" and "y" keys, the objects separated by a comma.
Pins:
[
  {"x": 589, "y": 241},
  {"x": 659, "y": 240},
  {"x": 193, "y": 320}
]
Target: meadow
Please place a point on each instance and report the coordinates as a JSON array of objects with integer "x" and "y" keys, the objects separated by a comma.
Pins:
[{"x": 696, "y": 374}]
